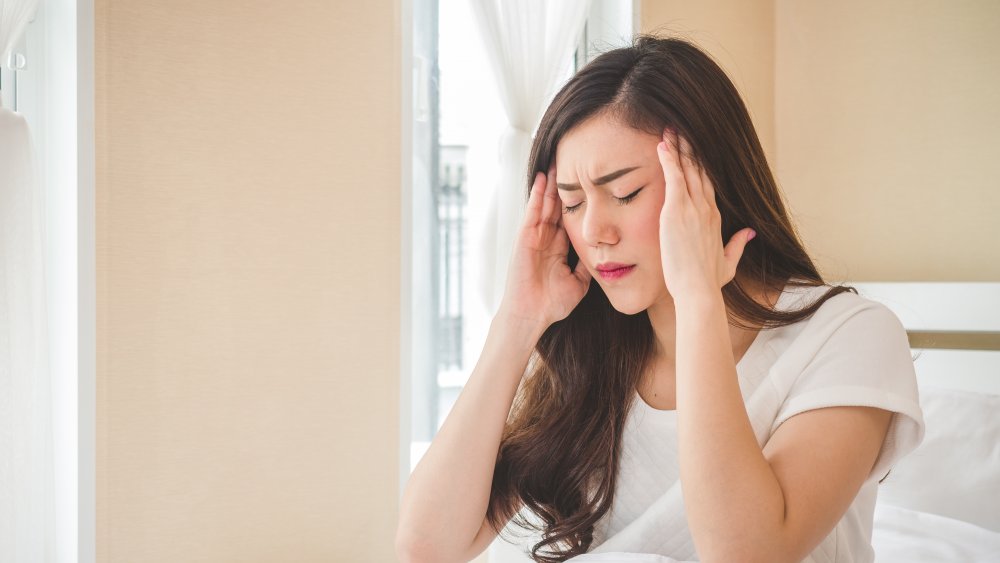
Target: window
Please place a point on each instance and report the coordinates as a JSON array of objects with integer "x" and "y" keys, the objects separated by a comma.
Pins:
[{"x": 457, "y": 121}]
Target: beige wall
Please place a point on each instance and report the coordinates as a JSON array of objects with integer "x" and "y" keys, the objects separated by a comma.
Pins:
[
  {"x": 248, "y": 207},
  {"x": 739, "y": 35},
  {"x": 887, "y": 130},
  {"x": 885, "y": 125}
]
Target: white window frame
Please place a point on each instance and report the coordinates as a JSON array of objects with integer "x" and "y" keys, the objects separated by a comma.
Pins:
[{"x": 55, "y": 93}]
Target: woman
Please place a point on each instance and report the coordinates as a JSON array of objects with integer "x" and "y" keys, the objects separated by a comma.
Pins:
[{"x": 656, "y": 359}]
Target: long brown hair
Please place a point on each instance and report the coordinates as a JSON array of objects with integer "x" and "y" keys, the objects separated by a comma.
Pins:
[{"x": 559, "y": 452}]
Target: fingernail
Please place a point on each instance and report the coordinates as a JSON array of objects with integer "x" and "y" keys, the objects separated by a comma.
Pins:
[
  {"x": 661, "y": 146},
  {"x": 753, "y": 233}
]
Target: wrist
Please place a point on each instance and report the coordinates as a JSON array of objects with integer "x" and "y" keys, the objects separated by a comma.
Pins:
[
  {"x": 513, "y": 322},
  {"x": 699, "y": 302}
]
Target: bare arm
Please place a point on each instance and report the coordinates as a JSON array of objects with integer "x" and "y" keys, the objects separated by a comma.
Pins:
[
  {"x": 744, "y": 502},
  {"x": 444, "y": 504}
]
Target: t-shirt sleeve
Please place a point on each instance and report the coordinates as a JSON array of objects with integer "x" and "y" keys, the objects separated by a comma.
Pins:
[{"x": 862, "y": 358}]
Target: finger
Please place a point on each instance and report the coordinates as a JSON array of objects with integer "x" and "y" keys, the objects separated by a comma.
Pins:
[
  {"x": 734, "y": 250},
  {"x": 557, "y": 200},
  {"x": 561, "y": 243},
  {"x": 676, "y": 190},
  {"x": 691, "y": 173},
  {"x": 706, "y": 184},
  {"x": 550, "y": 207},
  {"x": 534, "y": 209}
]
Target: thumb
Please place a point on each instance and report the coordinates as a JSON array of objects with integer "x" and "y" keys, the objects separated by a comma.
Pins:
[{"x": 737, "y": 244}]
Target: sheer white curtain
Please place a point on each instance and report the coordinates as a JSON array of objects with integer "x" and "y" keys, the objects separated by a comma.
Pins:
[
  {"x": 14, "y": 17},
  {"x": 27, "y": 513},
  {"x": 529, "y": 43}
]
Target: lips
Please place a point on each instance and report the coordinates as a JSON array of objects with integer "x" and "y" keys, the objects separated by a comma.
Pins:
[{"x": 614, "y": 270}]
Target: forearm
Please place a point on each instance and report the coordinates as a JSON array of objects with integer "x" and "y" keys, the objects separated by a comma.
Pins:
[
  {"x": 734, "y": 502},
  {"x": 446, "y": 496}
]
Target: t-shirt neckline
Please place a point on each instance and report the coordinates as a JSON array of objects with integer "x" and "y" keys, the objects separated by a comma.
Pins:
[{"x": 751, "y": 352}]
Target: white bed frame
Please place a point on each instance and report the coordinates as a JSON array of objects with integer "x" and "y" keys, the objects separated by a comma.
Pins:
[{"x": 954, "y": 330}]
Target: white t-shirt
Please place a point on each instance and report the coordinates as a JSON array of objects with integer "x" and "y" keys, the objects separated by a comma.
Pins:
[{"x": 851, "y": 351}]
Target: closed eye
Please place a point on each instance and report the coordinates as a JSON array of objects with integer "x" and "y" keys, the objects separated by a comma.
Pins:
[
  {"x": 629, "y": 197},
  {"x": 621, "y": 201}
]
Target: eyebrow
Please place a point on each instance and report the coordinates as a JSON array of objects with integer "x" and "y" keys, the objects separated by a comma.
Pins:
[{"x": 598, "y": 182}]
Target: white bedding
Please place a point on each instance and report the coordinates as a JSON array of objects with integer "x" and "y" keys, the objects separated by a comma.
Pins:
[
  {"x": 623, "y": 557},
  {"x": 900, "y": 535},
  {"x": 904, "y": 535}
]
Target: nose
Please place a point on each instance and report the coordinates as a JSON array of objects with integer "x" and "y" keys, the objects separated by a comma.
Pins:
[{"x": 598, "y": 225}]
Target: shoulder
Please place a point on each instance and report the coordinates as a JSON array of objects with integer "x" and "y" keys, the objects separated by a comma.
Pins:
[
  {"x": 845, "y": 311},
  {"x": 847, "y": 334}
]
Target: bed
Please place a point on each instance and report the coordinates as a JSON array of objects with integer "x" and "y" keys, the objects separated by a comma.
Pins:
[{"x": 941, "y": 502}]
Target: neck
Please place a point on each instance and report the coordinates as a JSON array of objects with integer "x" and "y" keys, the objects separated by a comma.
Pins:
[{"x": 662, "y": 317}]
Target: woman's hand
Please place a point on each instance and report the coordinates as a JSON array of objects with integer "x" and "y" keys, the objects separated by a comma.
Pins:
[
  {"x": 694, "y": 261},
  {"x": 540, "y": 285}
]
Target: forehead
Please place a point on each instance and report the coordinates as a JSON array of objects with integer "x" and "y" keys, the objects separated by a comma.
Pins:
[{"x": 600, "y": 143}]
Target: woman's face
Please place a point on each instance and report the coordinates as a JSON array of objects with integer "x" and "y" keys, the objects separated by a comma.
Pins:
[{"x": 616, "y": 222}]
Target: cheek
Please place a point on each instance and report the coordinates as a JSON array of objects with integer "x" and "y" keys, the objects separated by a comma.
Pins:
[
  {"x": 647, "y": 224},
  {"x": 650, "y": 222}
]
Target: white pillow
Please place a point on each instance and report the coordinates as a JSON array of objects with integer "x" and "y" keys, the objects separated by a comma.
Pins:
[
  {"x": 909, "y": 535},
  {"x": 955, "y": 471}
]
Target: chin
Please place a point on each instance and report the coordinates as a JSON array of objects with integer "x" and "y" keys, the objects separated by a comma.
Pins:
[{"x": 630, "y": 305}]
